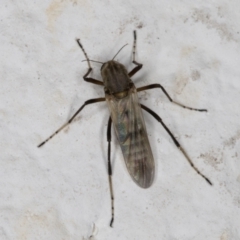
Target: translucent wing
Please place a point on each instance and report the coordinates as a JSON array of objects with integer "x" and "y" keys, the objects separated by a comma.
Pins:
[{"x": 131, "y": 132}]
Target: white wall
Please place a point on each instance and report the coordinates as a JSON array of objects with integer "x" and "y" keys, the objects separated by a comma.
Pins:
[{"x": 61, "y": 190}]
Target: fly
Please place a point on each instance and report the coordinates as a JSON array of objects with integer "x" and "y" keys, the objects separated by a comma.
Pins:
[{"x": 127, "y": 118}]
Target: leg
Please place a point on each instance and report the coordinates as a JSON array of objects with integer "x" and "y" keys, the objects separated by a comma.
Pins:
[
  {"x": 93, "y": 232},
  {"x": 110, "y": 168},
  {"x": 139, "y": 65},
  {"x": 170, "y": 99},
  {"x": 87, "y": 79},
  {"x": 90, "y": 101},
  {"x": 175, "y": 141}
]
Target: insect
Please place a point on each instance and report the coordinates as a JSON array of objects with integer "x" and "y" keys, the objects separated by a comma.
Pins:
[{"x": 127, "y": 119}]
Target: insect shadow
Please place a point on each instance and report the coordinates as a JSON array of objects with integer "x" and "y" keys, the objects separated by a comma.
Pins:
[{"x": 127, "y": 119}]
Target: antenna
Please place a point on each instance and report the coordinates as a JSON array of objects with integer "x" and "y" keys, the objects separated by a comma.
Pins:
[
  {"x": 92, "y": 61},
  {"x": 119, "y": 51}
]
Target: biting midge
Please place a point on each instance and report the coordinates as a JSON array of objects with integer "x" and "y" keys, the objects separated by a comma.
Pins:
[{"x": 127, "y": 118}]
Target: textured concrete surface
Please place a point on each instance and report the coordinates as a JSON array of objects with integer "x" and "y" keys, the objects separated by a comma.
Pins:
[{"x": 60, "y": 191}]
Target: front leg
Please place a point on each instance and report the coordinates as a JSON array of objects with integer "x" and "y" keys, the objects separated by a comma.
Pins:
[
  {"x": 139, "y": 65},
  {"x": 88, "y": 79}
]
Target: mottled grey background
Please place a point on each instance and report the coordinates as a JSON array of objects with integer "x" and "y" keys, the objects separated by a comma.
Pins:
[{"x": 61, "y": 190}]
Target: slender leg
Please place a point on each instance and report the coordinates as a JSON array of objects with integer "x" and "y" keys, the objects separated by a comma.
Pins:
[
  {"x": 139, "y": 65},
  {"x": 93, "y": 231},
  {"x": 175, "y": 141},
  {"x": 90, "y": 101},
  {"x": 110, "y": 168},
  {"x": 170, "y": 99},
  {"x": 88, "y": 79}
]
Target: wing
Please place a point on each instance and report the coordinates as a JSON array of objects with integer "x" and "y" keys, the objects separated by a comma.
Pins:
[{"x": 129, "y": 125}]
